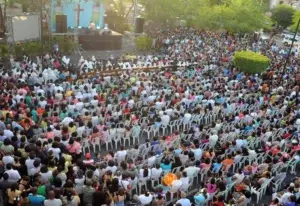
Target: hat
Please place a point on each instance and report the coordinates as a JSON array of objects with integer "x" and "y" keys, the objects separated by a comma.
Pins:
[
  {"x": 294, "y": 141},
  {"x": 292, "y": 185},
  {"x": 88, "y": 156}
]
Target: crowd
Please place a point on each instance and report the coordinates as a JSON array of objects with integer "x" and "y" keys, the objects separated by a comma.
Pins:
[{"x": 194, "y": 131}]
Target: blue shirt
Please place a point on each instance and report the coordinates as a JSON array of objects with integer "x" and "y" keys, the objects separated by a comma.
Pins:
[
  {"x": 199, "y": 199},
  {"x": 216, "y": 167},
  {"x": 166, "y": 168},
  {"x": 36, "y": 200}
]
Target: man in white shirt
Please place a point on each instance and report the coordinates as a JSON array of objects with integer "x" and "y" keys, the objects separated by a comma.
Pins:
[
  {"x": 66, "y": 121},
  {"x": 186, "y": 118},
  {"x": 197, "y": 152},
  {"x": 7, "y": 132},
  {"x": 156, "y": 172},
  {"x": 183, "y": 200},
  {"x": 165, "y": 119},
  {"x": 36, "y": 169},
  {"x": 29, "y": 161},
  {"x": 79, "y": 106},
  {"x": 14, "y": 175},
  {"x": 145, "y": 199},
  {"x": 52, "y": 201},
  {"x": 213, "y": 139},
  {"x": 238, "y": 177},
  {"x": 191, "y": 171},
  {"x": 121, "y": 154},
  {"x": 176, "y": 184},
  {"x": 8, "y": 159}
]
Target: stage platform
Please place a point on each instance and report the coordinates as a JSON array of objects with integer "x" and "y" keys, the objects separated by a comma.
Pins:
[{"x": 97, "y": 40}]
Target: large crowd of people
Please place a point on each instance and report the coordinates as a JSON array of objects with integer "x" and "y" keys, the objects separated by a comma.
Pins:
[{"x": 193, "y": 131}]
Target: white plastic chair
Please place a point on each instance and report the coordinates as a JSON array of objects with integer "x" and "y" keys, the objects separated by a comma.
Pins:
[
  {"x": 126, "y": 137},
  {"x": 277, "y": 184},
  {"x": 258, "y": 193},
  {"x": 148, "y": 130},
  {"x": 85, "y": 145},
  {"x": 96, "y": 143},
  {"x": 172, "y": 125},
  {"x": 109, "y": 141},
  {"x": 141, "y": 184}
]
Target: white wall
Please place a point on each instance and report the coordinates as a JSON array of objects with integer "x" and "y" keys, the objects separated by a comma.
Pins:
[
  {"x": 27, "y": 27},
  {"x": 274, "y": 3}
]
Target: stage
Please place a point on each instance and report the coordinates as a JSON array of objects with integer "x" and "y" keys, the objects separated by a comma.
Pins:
[{"x": 97, "y": 40}]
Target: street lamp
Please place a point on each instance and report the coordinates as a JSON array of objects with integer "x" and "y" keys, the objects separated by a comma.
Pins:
[{"x": 291, "y": 47}]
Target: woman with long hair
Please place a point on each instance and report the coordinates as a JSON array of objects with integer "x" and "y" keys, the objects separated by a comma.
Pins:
[{"x": 119, "y": 197}]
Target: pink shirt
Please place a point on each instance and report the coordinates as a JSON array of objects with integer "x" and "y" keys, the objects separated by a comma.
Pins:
[
  {"x": 50, "y": 135},
  {"x": 74, "y": 148},
  {"x": 211, "y": 188}
]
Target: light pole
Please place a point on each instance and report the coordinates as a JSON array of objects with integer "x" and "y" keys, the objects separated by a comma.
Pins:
[
  {"x": 291, "y": 47},
  {"x": 41, "y": 16}
]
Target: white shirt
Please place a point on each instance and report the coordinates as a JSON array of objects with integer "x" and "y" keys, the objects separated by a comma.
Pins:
[
  {"x": 56, "y": 152},
  {"x": 79, "y": 185},
  {"x": 8, "y": 133},
  {"x": 156, "y": 173},
  {"x": 121, "y": 155},
  {"x": 213, "y": 140},
  {"x": 175, "y": 185},
  {"x": 186, "y": 118},
  {"x": 34, "y": 171},
  {"x": 145, "y": 200},
  {"x": 54, "y": 202},
  {"x": 197, "y": 153},
  {"x": 191, "y": 170},
  {"x": 66, "y": 121},
  {"x": 29, "y": 164},
  {"x": 165, "y": 119},
  {"x": 14, "y": 175},
  {"x": 185, "y": 183},
  {"x": 113, "y": 169},
  {"x": 151, "y": 161},
  {"x": 8, "y": 159},
  {"x": 46, "y": 176},
  {"x": 141, "y": 175},
  {"x": 238, "y": 178},
  {"x": 184, "y": 202},
  {"x": 79, "y": 106}
]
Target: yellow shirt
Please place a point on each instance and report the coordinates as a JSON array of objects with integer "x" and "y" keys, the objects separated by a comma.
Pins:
[{"x": 12, "y": 195}]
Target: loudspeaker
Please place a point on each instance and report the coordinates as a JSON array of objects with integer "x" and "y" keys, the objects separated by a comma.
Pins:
[
  {"x": 139, "y": 25},
  {"x": 61, "y": 23}
]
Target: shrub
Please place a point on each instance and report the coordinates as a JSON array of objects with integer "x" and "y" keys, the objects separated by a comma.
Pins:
[
  {"x": 251, "y": 62},
  {"x": 143, "y": 43}
]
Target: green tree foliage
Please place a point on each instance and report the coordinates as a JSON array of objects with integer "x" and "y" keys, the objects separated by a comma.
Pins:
[
  {"x": 231, "y": 15},
  {"x": 117, "y": 14},
  {"x": 296, "y": 18},
  {"x": 283, "y": 15},
  {"x": 143, "y": 43},
  {"x": 251, "y": 62}
]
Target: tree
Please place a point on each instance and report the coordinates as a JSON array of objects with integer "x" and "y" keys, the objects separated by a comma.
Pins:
[
  {"x": 283, "y": 15},
  {"x": 241, "y": 16},
  {"x": 251, "y": 62},
  {"x": 296, "y": 18},
  {"x": 117, "y": 14},
  {"x": 143, "y": 43},
  {"x": 230, "y": 15}
]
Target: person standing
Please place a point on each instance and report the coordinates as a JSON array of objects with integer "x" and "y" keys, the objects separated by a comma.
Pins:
[
  {"x": 88, "y": 192},
  {"x": 52, "y": 201}
]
